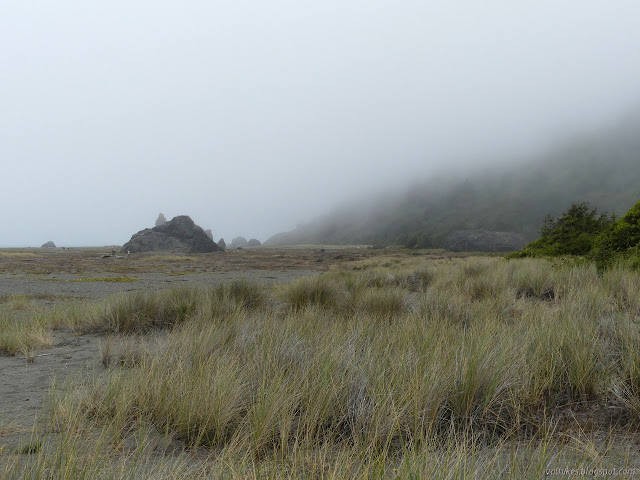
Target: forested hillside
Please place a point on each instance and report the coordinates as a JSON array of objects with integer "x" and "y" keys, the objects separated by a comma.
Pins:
[{"x": 602, "y": 169}]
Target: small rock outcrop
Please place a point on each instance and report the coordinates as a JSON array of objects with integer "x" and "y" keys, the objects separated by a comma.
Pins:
[
  {"x": 209, "y": 233},
  {"x": 180, "y": 235},
  {"x": 222, "y": 243},
  {"x": 161, "y": 220},
  {"x": 254, "y": 242},
  {"x": 49, "y": 244},
  {"x": 239, "y": 242},
  {"x": 484, "y": 241}
]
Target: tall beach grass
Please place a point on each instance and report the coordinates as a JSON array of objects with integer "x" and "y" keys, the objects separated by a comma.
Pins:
[{"x": 417, "y": 368}]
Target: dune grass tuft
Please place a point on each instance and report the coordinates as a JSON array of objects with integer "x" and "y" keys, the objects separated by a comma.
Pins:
[
  {"x": 20, "y": 333},
  {"x": 318, "y": 291}
]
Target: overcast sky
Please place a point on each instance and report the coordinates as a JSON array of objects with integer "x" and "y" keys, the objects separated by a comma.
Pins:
[{"x": 253, "y": 116}]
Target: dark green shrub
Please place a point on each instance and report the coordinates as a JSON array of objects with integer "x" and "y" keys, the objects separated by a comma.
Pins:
[
  {"x": 620, "y": 241},
  {"x": 239, "y": 293},
  {"x": 573, "y": 233}
]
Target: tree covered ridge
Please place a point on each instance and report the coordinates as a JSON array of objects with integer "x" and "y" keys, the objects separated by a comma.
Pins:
[{"x": 602, "y": 169}]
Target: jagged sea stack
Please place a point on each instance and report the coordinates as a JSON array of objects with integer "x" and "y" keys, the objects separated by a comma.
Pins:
[
  {"x": 161, "y": 220},
  {"x": 179, "y": 235}
]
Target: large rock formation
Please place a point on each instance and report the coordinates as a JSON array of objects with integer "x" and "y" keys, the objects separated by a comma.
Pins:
[
  {"x": 239, "y": 242},
  {"x": 254, "y": 242},
  {"x": 222, "y": 244},
  {"x": 179, "y": 235},
  {"x": 484, "y": 241},
  {"x": 49, "y": 244}
]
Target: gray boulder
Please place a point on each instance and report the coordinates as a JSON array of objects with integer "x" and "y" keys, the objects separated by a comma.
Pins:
[
  {"x": 49, "y": 244},
  {"x": 484, "y": 241},
  {"x": 254, "y": 242},
  {"x": 239, "y": 242},
  {"x": 180, "y": 235},
  {"x": 222, "y": 243}
]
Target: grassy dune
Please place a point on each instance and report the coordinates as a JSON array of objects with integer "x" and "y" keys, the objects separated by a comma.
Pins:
[{"x": 416, "y": 368}]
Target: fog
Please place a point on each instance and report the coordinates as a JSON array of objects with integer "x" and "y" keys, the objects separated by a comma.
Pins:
[{"x": 254, "y": 116}]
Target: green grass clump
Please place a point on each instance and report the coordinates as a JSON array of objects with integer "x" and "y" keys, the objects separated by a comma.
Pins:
[
  {"x": 535, "y": 279},
  {"x": 241, "y": 293},
  {"x": 388, "y": 302},
  {"x": 20, "y": 333},
  {"x": 144, "y": 311},
  {"x": 312, "y": 291},
  {"x": 17, "y": 302}
]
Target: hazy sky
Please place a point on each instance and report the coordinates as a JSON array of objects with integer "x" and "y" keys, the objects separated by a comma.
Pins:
[{"x": 253, "y": 116}]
